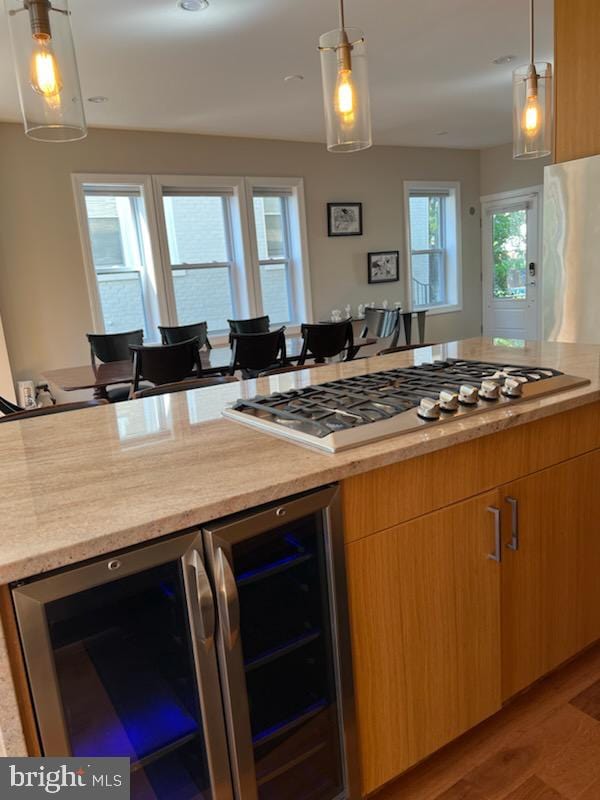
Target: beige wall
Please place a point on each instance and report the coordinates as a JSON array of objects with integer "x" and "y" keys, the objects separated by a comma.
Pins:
[
  {"x": 43, "y": 296},
  {"x": 501, "y": 173}
]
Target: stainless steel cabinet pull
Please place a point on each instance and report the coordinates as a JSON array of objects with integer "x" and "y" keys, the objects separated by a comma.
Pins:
[
  {"x": 497, "y": 554},
  {"x": 206, "y": 606},
  {"x": 514, "y": 507},
  {"x": 230, "y": 607}
]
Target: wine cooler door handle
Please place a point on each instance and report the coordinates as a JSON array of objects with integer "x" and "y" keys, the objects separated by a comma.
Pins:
[
  {"x": 497, "y": 554},
  {"x": 515, "y": 533},
  {"x": 206, "y": 606},
  {"x": 227, "y": 588}
]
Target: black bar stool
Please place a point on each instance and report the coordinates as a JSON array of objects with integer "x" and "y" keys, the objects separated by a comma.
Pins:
[
  {"x": 166, "y": 363},
  {"x": 327, "y": 340},
  {"x": 381, "y": 323},
  {"x": 253, "y": 353},
  {"x": 109, "y": 347},
  {"x": 173, "y": 334}
]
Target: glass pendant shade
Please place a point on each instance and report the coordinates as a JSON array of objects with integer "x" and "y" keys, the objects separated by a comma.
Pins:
[
  {"x": 345, "y": 76},
  {"x": 46, "y": 68},
  {"x": 532, "y": 111}
]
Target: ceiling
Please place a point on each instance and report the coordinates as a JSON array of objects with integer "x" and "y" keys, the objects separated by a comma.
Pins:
[{"x": 221, "y": 71}]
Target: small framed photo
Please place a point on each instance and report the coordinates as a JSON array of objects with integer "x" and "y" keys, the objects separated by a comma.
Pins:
[
  {"x": 344, "y": 219},
  {"x": 384, "y": 267}
]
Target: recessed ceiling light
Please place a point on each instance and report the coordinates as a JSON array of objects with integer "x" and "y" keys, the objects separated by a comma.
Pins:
[
  {"x": 503, "y": 60},
  {"x": 294, "y": 78},
  {"x": 99, "y": 98},
  {"x": 193, "y": 5}
]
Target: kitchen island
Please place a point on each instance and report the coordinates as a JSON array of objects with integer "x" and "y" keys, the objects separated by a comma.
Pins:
[{"x": 422, "y": 513}]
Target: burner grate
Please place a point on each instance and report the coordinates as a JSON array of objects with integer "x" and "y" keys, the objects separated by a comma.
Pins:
[{"x": 352, "y": 410}]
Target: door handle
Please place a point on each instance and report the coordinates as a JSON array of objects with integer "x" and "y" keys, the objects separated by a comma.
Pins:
[
  {"x": 497, "y": 554},
  {"x": 230, "y": 606},
  {"x": 206, "y": 606},
  {"x": 514, "y": 512}
]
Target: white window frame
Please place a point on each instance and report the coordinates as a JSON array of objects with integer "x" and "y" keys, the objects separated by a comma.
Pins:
[
  {"x": 152, "y": 281},
  {"x": 298, "y": 259},
  {"x": 245, "y": 264},
  {"x": 452, "y": 238},
  {"x": 242, "y": 284},
  {"x": 284, "y": 260}
]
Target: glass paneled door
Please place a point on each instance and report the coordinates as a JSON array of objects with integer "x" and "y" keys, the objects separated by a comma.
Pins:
[
  {"x": 280, "y": 641},
  {"x": 510, "y": 267},
  {"x": 121, "y": 662}
]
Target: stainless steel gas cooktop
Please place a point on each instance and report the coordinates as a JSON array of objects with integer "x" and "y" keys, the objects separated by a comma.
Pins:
[{"x": 346, "y": 413}]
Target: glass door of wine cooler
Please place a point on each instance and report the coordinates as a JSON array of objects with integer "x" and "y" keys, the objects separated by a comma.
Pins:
[
  {"x": 121, "y": 660},
  {"x": 284, "y": 665}
]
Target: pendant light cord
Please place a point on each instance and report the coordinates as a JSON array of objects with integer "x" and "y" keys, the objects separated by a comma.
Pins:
[
  {"x": 531, "y": 32},
  {"x": 342, "y": 17}
]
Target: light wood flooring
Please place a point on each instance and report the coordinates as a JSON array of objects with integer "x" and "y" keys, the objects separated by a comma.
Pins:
[{"x": 544, "y": 745}]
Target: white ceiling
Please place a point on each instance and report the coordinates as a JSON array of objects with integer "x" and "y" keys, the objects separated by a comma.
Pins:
[{"x": 221, "y": 71}]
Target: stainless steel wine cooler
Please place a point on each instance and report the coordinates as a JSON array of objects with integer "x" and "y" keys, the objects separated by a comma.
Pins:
[{"x": 217, "y": 660}]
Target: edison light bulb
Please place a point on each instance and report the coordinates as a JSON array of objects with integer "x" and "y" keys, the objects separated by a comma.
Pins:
[
  {"x": 45, "y": 74},
  {"x": 532, "y": 117},
  {"x": 345, "y": 95}
]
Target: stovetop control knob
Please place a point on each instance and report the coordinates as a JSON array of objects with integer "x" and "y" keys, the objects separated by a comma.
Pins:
[
  {"x": 448, "y": 400},
  {"x": 490, "y": 390},
  {"x": 468, "y": 395},
  {"x": 429, "y": 408},
  {"x": 512, "y": 387}
]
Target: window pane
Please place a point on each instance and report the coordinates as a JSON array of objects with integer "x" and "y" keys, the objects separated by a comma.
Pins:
[
  {"x": 203, "y": 294},
  {"x": 269, "y": 214},
  {"x": 429, "y": 279},
  {"x": 122, "y": 301},
  {"x": 196, "y": 229},
  {"x": 275, "y": 292},
  {"x": 107, "y": 248},
  {"x": 114, "y": 224},
  {"x": 114, "y": 232},
  {"x": 426, "y": 222},
  {"x": 510, "y": 254},
  {"x": 435, "y": 222}
]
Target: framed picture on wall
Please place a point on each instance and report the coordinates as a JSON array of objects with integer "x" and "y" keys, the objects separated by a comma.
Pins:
[
  {"x": 384, "y": 267},
  {"x": 344, "y": 219}
]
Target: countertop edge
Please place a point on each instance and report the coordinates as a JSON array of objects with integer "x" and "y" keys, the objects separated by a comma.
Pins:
[{"x": 55, "y": 558}]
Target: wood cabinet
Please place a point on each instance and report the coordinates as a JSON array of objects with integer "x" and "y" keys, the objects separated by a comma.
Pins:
[
  {"x": 373, "y": 501},
  {"x": 425, "y": 616},
  {"x": 577, "y": 63},
  {"x": 551, "y": 583},
  {"x": 441, "y": 634}
]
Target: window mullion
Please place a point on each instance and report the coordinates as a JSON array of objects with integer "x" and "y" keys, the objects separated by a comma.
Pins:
[
  {"x": 234, "y": 277},
  {"x": 210, "y": 265}
]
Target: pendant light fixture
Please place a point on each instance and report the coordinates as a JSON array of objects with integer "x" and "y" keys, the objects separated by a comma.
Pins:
[
  {"x": 46, "y": 67},
  {"x": 532, "y": 104},
  {"x": 345, "y": 88}
]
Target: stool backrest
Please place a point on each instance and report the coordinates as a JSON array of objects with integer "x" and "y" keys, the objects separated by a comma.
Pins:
[
  {"x": 381, "y": 322},
  {"x": 166, "y": 363},
  {"x": 253, "y": 325},
  {"x": 173, "y": 334},
  {"x": 326, "y": 339},
  {"x": 108, "y": 347},
  {"x": 256, "y": 352}
]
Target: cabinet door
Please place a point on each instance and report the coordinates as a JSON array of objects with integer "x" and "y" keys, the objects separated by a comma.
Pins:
[
  {"x": 550, "y": 585},
  {"x": 425, "y": 617}
]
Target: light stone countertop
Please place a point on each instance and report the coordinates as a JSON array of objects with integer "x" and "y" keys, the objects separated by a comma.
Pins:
[{"x": 78, "y": 485}]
